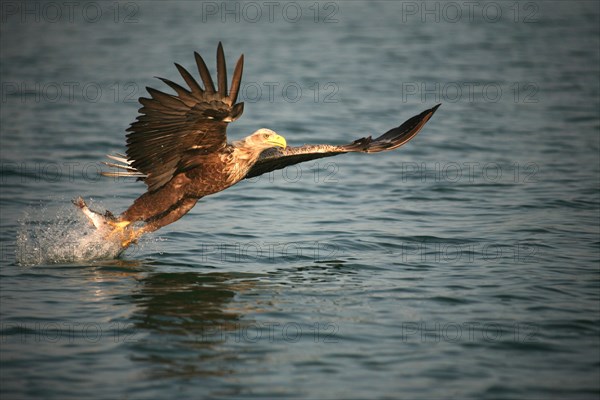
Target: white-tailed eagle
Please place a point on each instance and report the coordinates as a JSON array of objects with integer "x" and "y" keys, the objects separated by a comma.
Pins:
[{"x": 178, "y": 147}]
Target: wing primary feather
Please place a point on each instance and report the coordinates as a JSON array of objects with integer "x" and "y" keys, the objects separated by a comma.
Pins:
[
  {"x": 237, "y": 79},
  {"x": 209, "y": 86},
  {"x": 221, "y": 71},
  {"x": 176, "y": 87},
  {"x": 184, "y": 94},
  {"x": 189, "y": 79},
  {"x": 399, "y": 136},
  {"x": 165, "y": 99}
]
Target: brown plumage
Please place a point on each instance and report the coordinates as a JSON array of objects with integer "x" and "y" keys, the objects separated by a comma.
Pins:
[{"x": 178, "y": 147}]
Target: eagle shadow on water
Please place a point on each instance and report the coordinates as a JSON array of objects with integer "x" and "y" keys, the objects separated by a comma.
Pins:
[{"x": 178, "y": 147}]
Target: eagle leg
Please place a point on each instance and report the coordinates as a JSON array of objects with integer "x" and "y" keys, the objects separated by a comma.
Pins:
[{"x": 171, "y": 215}]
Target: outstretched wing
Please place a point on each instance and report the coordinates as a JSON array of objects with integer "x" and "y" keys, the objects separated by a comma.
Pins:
[
  {"x": 172, "y": 129},
  {"x": 277, "y": 158}
]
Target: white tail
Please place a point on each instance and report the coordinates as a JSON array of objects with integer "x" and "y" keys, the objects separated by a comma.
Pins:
[{"x": 124, "y": 169}]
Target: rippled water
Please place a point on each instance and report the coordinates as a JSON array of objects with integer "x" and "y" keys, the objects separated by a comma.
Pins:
[{"x": 464, "y": 265}]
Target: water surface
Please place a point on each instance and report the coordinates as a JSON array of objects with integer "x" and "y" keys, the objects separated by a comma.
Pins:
[{"x": 464, "y": 265}]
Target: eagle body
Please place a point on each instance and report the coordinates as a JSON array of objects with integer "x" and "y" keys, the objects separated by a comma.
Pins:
[
  {"x": 178, "y": 147},
  {"x": 206, "y": 174}
]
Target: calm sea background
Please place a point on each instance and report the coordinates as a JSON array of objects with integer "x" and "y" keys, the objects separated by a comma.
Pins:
[{"x": 463, "y": 265}]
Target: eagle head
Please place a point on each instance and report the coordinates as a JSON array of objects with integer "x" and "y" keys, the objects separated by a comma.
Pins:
[{"x": 264, "y": 139}]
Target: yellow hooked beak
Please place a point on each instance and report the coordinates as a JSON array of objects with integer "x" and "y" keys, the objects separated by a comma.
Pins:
[{"x": 278, "y": 141}]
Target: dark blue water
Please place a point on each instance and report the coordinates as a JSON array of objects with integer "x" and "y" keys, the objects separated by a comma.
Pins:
[{"x": 464, "y": 265}]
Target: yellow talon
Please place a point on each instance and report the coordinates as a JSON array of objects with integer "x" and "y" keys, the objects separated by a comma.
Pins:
[
  {"x": 133, "y": 237},
  {"x": 120, "y": 224},
  {"x": 118, "y": 228}
]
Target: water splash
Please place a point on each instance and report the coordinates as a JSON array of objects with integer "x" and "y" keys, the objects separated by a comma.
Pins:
[{"x": 60, "y": 236}]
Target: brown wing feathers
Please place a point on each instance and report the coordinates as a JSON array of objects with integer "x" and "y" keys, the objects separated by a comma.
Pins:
[
  {"x": 274, "y": 159},
  {"x": 237, "y": 80},
  {"x": 209, "y": 86},
  {"x": 396, "y": 137},
  {"x": 172, "y": 128},
  {"x": 221, "y": 72}
]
